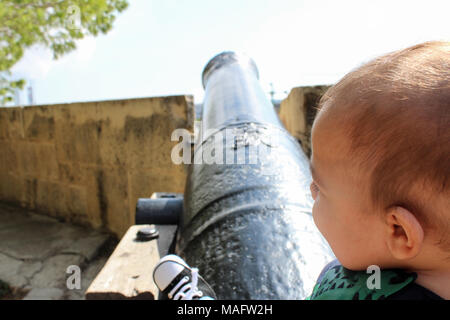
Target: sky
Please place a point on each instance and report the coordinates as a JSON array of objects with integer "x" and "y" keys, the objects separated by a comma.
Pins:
[{"x": 159, "y": 48}]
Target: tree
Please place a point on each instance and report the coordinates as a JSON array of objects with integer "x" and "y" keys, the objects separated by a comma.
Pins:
[{"x": 56, "y": 24}]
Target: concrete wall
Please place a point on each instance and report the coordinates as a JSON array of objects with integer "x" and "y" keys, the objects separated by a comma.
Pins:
[
  {"x": 298, "y": 110},
  {"x": 88, "y": 163}
]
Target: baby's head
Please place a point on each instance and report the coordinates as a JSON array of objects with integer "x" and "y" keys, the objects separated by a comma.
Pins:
[{"x": 381, "y": 161}]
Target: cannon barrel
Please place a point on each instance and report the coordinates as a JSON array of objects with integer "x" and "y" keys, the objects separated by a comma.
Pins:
[{"x": 246, "y": 222}]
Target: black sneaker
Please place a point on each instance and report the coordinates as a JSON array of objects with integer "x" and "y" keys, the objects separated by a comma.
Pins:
[{"x": 178, "y": 281}]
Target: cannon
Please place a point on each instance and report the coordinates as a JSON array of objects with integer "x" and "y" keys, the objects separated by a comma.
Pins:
[{"x": 245, "y": 218}]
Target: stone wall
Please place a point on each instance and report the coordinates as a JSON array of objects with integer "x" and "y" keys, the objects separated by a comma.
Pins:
[
  {"x": 297, "y": 113},
  {"x": 88, "y": 163}
]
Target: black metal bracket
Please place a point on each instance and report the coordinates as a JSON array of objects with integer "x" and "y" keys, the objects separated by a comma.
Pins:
[{"x": 163, "y": 210}]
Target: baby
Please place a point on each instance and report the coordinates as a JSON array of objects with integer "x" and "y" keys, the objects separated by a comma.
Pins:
[{"x": 381, "y": 177}]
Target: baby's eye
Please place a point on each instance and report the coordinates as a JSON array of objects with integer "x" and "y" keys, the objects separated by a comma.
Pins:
[{"x": 314, "y": 189}]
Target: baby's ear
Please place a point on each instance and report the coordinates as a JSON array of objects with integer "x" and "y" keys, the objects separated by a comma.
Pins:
[{"x": 404, "y": 233}]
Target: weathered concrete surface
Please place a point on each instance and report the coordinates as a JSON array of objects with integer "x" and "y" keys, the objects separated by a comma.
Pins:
[
  {"x": 297, "y": 113},
  {"x": 90, "y": 162},
  {"x": 35, "y": 252}
]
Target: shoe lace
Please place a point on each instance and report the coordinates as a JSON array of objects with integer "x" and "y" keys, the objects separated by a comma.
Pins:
[{"x": 188, "y": 289}]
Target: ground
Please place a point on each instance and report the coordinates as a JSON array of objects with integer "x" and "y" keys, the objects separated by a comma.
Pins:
[{"x": 36, "y": 250}]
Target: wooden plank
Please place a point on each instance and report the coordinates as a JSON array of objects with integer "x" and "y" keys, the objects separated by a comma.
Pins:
[{"x": 128, "y": 272}]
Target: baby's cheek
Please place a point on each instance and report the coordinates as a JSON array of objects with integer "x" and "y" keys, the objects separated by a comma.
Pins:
[
  {"x": 321, "y": 217},
  {"x": 316, "y": 213}
]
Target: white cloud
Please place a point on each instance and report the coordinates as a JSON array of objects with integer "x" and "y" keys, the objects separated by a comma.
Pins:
[
  {"x": 38, "y": 61},
  {"x": 320, "y": 41},
  {"x": 35, "y": 64}
]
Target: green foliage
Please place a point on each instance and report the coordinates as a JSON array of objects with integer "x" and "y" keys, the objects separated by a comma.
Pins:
[{"x": 56, "y": 24}]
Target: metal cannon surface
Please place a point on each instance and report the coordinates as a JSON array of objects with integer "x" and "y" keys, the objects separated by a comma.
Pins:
[{"x": 246, "y": 218}]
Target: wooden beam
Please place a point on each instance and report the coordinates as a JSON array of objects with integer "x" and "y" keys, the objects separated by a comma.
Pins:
[{"x": 128, "y": 272}]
